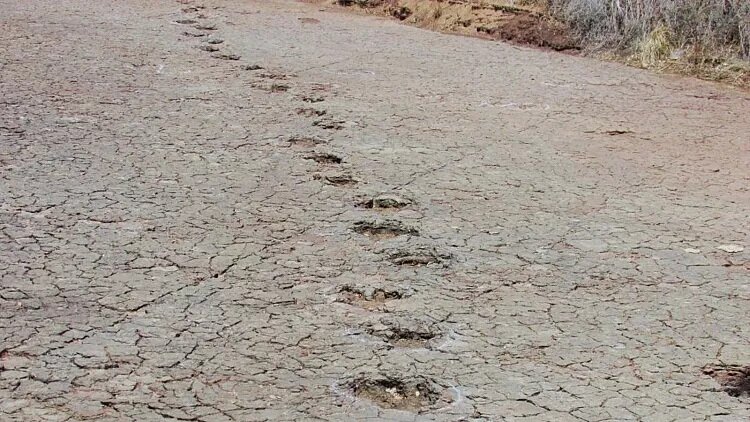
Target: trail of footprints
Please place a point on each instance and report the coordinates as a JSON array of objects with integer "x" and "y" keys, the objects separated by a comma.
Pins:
[
  {"x": 388, "y": 391},
  {"x": 412, "y": 393}
]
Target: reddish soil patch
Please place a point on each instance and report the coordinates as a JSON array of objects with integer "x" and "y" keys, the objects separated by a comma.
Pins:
[
  {"x": 529, "y": 29},
  {"x": 488, "y": 20}
]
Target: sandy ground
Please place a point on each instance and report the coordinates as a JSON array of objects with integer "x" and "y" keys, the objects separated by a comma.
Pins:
[{"x": 382, "y": 223}]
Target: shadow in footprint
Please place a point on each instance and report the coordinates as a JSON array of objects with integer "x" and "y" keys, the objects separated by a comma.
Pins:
[
  {"x": 305, "y": 141},
  {"x": 330, "y": 124},
  {"x": 205, "y": 27},
  {"x": 311, "y": 99},
  {"x": 191, "y": 9},
  {"x": 383, "y": 229},
  {"x": 336, "y": 180},
  {"x": 734, "y": 379},
  {"x": 324, "y": 158},
  {"x": 309, "y": 112},
  {"x": 225, "y": 56}
]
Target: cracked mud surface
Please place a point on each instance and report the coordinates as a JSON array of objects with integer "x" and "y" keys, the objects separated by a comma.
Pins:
[{"x": 169, "y": 253}]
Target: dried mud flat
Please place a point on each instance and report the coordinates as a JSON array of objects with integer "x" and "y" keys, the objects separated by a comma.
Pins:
[{"x": 258, "y": 211}]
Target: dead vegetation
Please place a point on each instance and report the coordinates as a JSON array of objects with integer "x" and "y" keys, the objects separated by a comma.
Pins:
[{"x": 707, "y": 38}]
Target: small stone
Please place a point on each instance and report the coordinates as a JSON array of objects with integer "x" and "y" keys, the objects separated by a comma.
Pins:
[
  {"x": 692, "y": 250},
  {"x": 731, "y": 248}
]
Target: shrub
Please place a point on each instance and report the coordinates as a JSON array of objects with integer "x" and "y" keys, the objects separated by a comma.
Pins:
[{"x": 709, "y": 25}]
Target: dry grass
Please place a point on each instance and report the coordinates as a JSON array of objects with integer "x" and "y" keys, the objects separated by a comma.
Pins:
[
  {"x": 655, "y": 47},
  {"x": 709, "y": 38}
]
